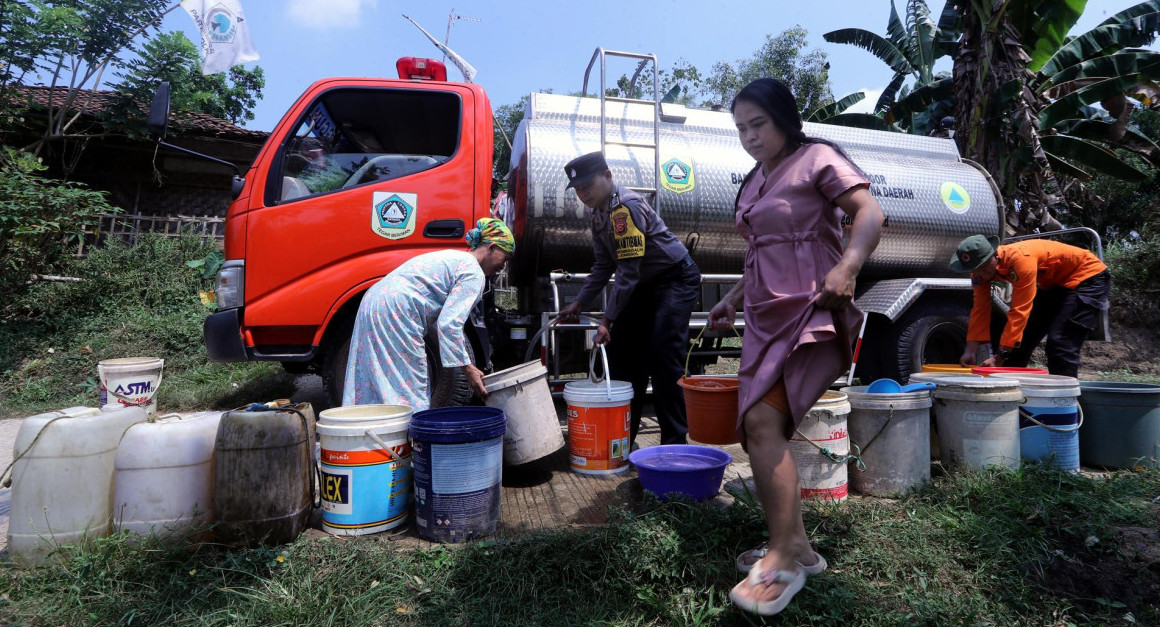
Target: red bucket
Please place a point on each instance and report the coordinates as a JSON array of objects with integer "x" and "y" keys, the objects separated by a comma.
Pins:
[
  {"x": 987, "y": 371},
  {"x": 711, "y": 408}
]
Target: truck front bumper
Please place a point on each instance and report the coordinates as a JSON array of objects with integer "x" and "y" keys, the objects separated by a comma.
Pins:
[{"x": 223, "y": 336}]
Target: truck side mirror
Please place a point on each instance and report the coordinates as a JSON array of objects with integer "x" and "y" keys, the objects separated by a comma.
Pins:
[{"x": 159, "y": 112}]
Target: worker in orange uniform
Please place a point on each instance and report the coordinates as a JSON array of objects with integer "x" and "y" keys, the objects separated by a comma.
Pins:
[{"x": 1058, "y": 291}]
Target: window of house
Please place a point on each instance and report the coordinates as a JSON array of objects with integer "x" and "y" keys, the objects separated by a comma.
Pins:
[{"x": 352, "y": 137}]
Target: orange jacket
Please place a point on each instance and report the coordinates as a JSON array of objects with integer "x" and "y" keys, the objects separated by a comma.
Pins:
[{"x": 1028, "y": 266}]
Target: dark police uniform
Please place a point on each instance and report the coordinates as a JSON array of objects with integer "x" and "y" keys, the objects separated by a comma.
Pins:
[{"x": 650, "y": 304}]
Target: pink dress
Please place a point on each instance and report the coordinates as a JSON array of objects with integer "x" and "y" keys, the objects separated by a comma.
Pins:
[{"x": 794, "y": 231}]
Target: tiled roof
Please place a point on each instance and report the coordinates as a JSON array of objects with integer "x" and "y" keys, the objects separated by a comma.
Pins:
[{"x": 194, "y": 124}]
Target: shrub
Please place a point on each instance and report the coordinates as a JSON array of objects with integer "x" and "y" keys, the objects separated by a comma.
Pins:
[{"x": 39, "y": 219}]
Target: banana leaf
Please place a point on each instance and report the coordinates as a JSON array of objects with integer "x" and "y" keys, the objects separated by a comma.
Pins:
[
  {"x": 1100, "y": 41},
  {"x": 921, "y": 46},
  {"x": 861, "y": 120},
  {"x": 897, "y": 30},
  {"x": 1065, "y": 107},
  {"x": 950, "y": 23},
  {"x": 1049, "y": 32},
  {"x": 1062, "y": 167},
  {"x": 1133, "y": 12},
  {"x": 922, "y": 98},
  {"x": 1090, "y": 155},
  {"x": 886, "y": 100},
  {"x": 833, "y": 108},
  {"x": 875, "y": 44},
  {"x": 1106, "y": 132},
  {"x": 1145, "y": 62}
]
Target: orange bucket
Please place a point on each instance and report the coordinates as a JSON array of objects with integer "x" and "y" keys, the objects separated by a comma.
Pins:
[
  {"x": 999, "y": 371},
  {"x": 710, "y": 404},
  {"x": 711, "y": 407},
  {"x": 946, "y": 368}
]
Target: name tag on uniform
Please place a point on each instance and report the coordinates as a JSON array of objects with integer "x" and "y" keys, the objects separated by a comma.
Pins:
[{"x": 628, "y": 239}]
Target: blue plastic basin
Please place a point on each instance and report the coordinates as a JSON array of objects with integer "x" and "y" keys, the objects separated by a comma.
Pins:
[{"x": 688, "y": 469}]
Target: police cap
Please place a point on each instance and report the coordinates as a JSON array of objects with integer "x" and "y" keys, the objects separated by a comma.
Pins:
[{"x": 582, "y": 169}]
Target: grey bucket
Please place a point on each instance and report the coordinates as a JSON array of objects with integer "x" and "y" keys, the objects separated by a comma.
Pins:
[
  {"x": 1122, "y": 426},
  {"x": 892, "y": 433}
]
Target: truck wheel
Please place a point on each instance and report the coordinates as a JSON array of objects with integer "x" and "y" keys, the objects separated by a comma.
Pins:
[
  {"x": 446, "y": 387},
  {"x": 930, "y": 332}
]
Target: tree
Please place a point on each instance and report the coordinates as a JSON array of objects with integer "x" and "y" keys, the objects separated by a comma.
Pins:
[
  {"x": 173, "y": 57},
  {"x": 1023, "y": 96},
  {"x": 911, "y": 50},
  {"x": 507, "y": 120},
  {"x": 72, "y": 43},
  {"x": 783, "y": 57}
]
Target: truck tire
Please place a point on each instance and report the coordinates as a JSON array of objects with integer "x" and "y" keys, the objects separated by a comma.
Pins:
[
  {"x": 446, "y": 387},
  {"x": 932, "y": 331}
]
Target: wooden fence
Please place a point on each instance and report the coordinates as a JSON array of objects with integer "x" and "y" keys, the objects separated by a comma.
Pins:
[{"x": 127, "y": 227}]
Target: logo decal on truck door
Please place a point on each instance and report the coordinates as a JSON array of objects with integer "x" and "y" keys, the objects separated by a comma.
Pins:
[
  {"x": 677, "y": 175},
  {"x": 393, "y": 214}
]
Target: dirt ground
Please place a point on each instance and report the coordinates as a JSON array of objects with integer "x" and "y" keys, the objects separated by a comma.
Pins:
[{"x": 1133, "y": 349}]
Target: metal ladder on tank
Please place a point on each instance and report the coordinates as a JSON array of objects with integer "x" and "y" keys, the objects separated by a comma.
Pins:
[{"x": 650, "y": 193}]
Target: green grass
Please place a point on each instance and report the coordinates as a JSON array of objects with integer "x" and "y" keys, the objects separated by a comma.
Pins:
[
  {"x": 131, "y": 301},
  {"x": 972, "y": 549}
]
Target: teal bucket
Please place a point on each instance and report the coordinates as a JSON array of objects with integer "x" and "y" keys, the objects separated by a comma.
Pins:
[
  {"x": 457, "y": 467},
  {"x": 1122, "y": 429},
  {"x": 1049, "y": 419}
]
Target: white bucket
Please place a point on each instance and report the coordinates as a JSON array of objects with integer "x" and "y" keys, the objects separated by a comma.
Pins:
[
  {"x": 599, "y": 422},
  {"x": 1049, "y": 419},
  {"x": 820, "y": 446},
  {"x": 978, "y": 421},
  {"x": 131, "y": 381},
  {"x": 935, "y": 377},
  {"x": 366, "y": 468},
  {"x": 522, "y": 392}
]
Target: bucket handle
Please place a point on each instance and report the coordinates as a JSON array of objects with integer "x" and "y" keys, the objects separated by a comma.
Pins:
[
  {"x": 383, "y": 445},
  {"x": 1023, "y": 413},
  {"x": 607, "y": 378},
  {"x": 861, "y": 465},
  {"x": 854, "y": 454},
  {"x": 697, "y": 340}
]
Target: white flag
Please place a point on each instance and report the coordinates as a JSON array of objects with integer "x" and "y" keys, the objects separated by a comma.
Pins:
[
  {"x": 460, "y": 62},
  {"x": 225, "y": 34}
]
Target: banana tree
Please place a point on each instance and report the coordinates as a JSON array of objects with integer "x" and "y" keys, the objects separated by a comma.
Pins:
[
  {"x": 911, "y": 50},
  {"x": 1024, "y": 96}
]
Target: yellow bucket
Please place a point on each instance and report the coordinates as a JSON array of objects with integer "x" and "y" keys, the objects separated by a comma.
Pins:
[{"x": 945, "y": 368}]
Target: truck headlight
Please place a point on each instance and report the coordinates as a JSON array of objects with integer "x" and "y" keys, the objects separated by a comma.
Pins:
[{"x": 231, "y": 284}]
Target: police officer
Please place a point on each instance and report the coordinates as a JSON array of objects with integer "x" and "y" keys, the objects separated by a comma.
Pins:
[{"x": 646, "y": 322}]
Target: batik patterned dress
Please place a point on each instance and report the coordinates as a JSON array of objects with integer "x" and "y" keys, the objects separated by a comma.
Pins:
[
  {"x": 388, "y": 360},
  {"x": 794, "y": 230}
]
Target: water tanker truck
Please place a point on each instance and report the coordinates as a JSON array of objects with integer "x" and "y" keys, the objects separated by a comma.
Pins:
[{"x": 362, "y": 174}]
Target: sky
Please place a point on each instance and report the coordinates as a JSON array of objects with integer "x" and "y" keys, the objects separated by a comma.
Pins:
[{"x": 521, "y": 46}]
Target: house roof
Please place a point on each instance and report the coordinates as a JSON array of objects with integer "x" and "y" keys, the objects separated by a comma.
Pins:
[{"x": 193, "y": 124}]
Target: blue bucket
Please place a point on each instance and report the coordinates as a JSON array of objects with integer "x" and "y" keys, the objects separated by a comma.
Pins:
[
  {"x": 1049, "y": 419},
  {"x": 695, "y": 471},
  {"x": 457, "y": 464}
]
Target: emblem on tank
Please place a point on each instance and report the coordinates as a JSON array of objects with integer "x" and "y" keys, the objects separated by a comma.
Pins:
[
  {"x": 677, "y": 175},
  {"x": 955, "y": 197},
  {"x": 393, "y": 214}
]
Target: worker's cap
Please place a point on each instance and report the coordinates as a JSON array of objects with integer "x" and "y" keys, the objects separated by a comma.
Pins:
[
  {"x": 582, "y": 169},
  {"x": 973, "y": 252}
]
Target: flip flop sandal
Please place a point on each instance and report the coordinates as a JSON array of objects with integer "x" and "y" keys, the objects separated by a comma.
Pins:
[
  {"x": 746, "y": 560},
  {"x": 794, "y": 582}
]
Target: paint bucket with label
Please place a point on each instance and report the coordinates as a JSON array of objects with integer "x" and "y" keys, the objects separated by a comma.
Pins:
[
  {"x": 821, "y": 448},
  {"x": 366, "y": 468},
  {"x": 1050, "y": 419},
  {"x": 978, "y": 421},
  {"x": 533, "y": 430},
  {"x": 457, "y": 459},
  {"x": 599, "y": 422},
  {"x": 130, "y": 381}
]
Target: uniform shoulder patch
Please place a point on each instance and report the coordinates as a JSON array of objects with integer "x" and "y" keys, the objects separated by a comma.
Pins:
[{"x": 626, "y": 236}]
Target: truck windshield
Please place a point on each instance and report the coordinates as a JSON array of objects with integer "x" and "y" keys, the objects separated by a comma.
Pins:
[{"x": 353, "y": 137}]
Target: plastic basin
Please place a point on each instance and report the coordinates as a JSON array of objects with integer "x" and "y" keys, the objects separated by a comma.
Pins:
[{"x": 688, "y": 469}]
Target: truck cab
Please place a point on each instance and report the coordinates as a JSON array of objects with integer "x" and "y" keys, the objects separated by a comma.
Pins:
[{"x": 360, "y": 175}]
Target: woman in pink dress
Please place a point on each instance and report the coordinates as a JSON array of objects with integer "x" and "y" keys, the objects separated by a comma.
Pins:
[{"x": 797, "y": 290}]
